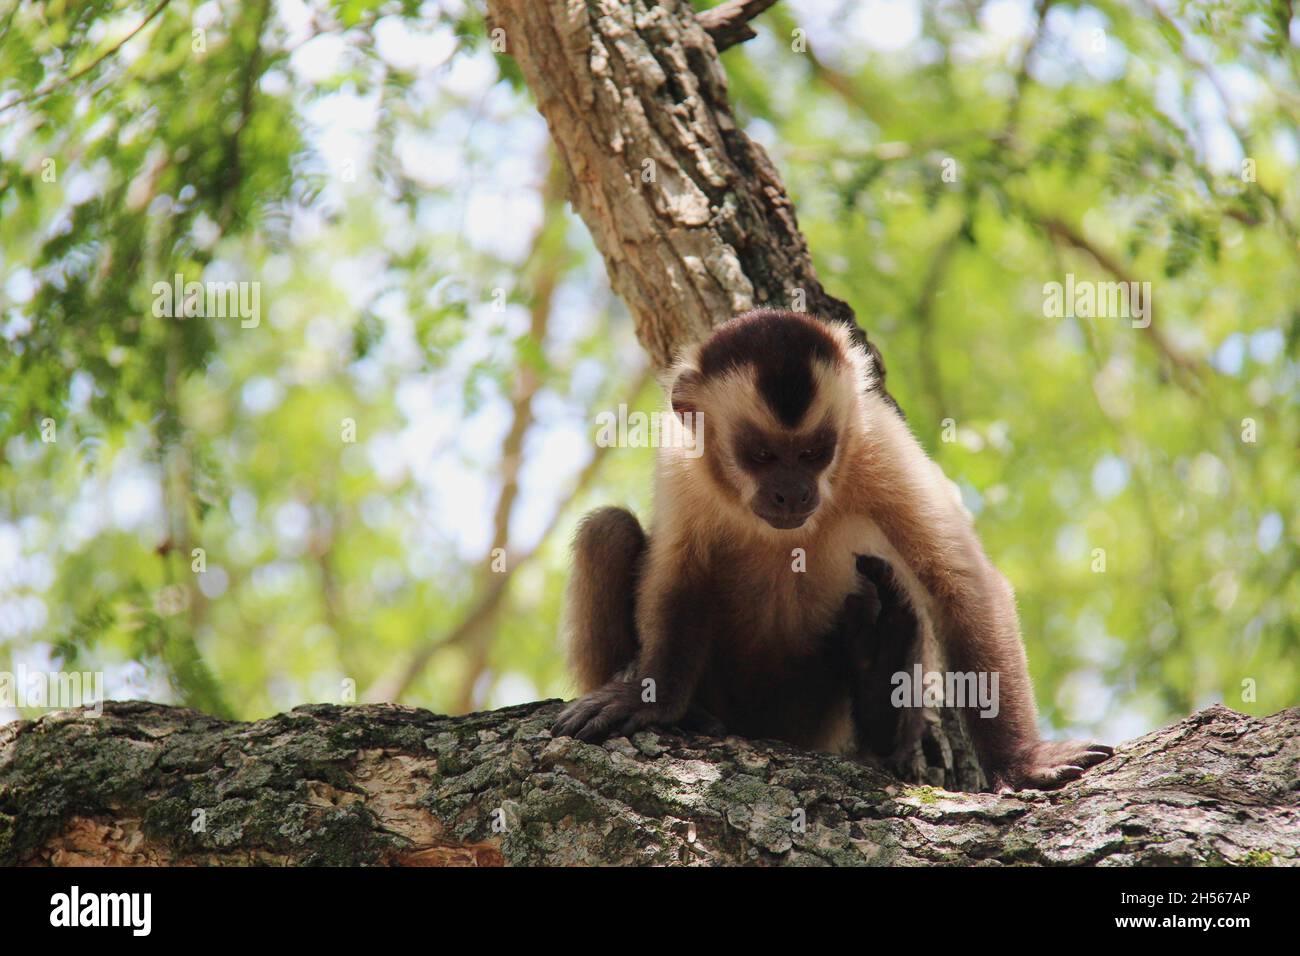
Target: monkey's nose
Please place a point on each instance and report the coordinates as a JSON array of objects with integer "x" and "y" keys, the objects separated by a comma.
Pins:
[{"x": 791, "y": 498}]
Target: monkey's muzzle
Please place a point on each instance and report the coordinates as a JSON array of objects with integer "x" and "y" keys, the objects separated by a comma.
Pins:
[
  {"x": 784, "y": 520},
  {"x": 786, "y": 501}
]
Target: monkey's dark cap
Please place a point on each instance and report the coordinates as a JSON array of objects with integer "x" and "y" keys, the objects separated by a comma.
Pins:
[{"x": 781, "y": 348}]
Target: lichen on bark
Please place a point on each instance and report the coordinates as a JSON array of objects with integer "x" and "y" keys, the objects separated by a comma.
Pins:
[{"x": 384, "y": 785}]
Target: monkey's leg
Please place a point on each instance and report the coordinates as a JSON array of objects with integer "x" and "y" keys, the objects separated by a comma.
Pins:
[
  {"x": 607, "y": 553},
  {"x": 882, "y": 638},
  {"x": 660, "y": 689},
  {"x": 603, "y": 645}
]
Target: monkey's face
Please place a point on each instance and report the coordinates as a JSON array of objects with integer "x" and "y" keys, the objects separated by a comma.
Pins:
[
  {"x": 782, "y": 471},
  {"x": 779, "y": 392}
]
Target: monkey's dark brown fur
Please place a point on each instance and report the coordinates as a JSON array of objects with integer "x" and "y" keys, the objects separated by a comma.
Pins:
[
  {"x": 750, "y": 599},
  {"x": 792, "y": 694},
  {"x": 607, "y": 555}
]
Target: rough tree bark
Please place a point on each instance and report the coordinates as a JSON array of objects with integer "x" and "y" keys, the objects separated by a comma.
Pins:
[
  {"x": 380, "y": 784},
  {"x": 689, "y": 214},
  {"x": 694, "y": 225},
  {"x": 687, "y": 211}
]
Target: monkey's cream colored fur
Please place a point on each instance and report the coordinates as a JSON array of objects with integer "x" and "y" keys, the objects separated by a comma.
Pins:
[
  {"x": 881, "y": 495},
  {"x": 734, "y": 614}
]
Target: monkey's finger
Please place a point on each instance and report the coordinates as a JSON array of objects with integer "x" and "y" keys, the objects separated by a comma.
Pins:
[
  {"x": 1090, "y": 758},
  {"x": 1067, "y": 773},
  {"x": 874, "y": 568},
  {"x": 1049, "y": 778},
  {"x": 566, "y": 719},
  {"x": 637, "y": 721},
  {"x": 563, "y": 726},
  {"x": 601, "y": 724},
  {"x": 589, "y": 732},
  {"x": 881, "y": 573},
  {"x": 588, "y": 728},
  {"x": 572, "y": 718},
  {"x": 559, "y": 726},
  {"x": 1082, "y": 754},
  {"x": 592, "y": 732}
]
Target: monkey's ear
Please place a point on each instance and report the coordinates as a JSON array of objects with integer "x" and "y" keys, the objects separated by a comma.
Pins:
[{"x": 684, "y": 392}]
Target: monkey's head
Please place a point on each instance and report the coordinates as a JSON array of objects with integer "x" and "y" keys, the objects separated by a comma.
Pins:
[{"x": 777, "y": 393}]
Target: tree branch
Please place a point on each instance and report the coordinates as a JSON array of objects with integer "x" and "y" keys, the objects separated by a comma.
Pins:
[
  {"x": 72, "y": 78},
  {"x": 546, "y": 260},
  {"x": 147, "y": 784},
  {"x": 728, "y": 23},
  {"x": 1062, "y": 232},
  {"x": 394, "y": 687},
  {"x": 689, "y": 214}
]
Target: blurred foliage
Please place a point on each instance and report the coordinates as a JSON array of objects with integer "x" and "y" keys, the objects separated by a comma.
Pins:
[{"x": 382, "y": 176}]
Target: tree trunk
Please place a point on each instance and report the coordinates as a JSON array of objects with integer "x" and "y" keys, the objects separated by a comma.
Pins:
[
  {"x": 692, "y": 220},
  {"x": 689, "y": 214},
  {"x": 379, "y": 784}
]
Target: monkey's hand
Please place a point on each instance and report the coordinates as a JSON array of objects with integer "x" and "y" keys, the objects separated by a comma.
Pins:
[
  {"x": 882, "y": 638},
  {"x": 880, "y": 615},
  {"x": 1050, "y": 764},
  {"x": 612, "y": 710}
]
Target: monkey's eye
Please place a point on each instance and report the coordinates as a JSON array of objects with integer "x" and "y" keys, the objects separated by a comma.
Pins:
[
  {"x": 814, "y": 454},
  {"x": 762, "y": 456}
]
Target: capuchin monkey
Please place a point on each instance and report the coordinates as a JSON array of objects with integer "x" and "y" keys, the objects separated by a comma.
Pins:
[{"x": 804, "y": 550}]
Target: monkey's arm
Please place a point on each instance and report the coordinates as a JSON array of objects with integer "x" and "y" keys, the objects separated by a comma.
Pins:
[
  {"x": 980, "y": 633},
  {"x": 975, "y": 613}
]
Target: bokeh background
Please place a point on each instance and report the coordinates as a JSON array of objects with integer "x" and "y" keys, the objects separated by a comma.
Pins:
[{"x": 385, "y": 178}]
